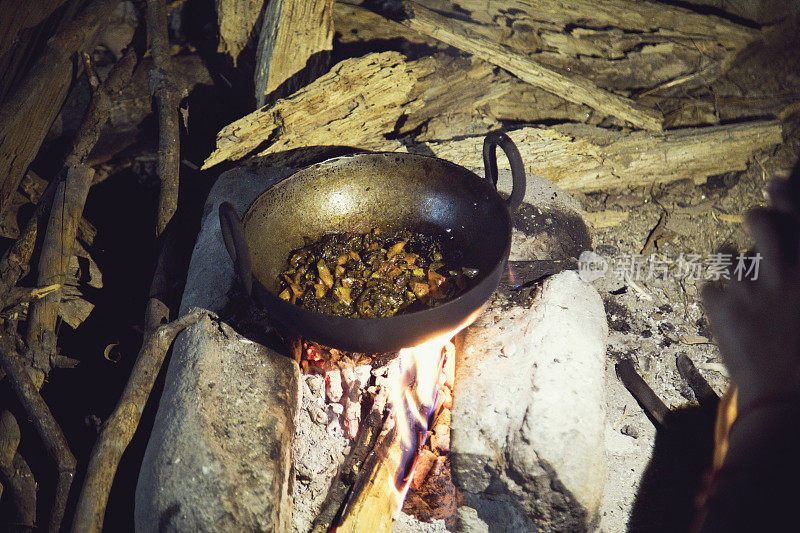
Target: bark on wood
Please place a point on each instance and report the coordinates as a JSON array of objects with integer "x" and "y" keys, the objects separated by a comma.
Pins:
[
  {"x": 296, "y": 36},
  {"x": 118, "y": 430},
  {"x": 45, "y": 424},
  {"x": 28, "y": 112},
  {"x": 167, "y": 100},
  {"x": 576, "y": 89},
  {"x": 581, "y": 157},
  {"x": 18, "y": 295},
  {"x": 75, "y": 306},
  {"x": 15, "y": 262},
  {"x": 238, "y": 22},
  {"x": 618, "y": 44}
]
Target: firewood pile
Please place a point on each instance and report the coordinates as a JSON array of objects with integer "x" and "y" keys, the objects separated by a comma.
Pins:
[{"x": 598, "y": 95}]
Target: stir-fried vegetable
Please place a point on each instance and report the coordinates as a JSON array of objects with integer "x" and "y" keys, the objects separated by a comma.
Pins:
[{"x": 372, "y": 275}]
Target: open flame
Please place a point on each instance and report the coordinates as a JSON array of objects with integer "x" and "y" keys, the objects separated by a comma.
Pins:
[{"x": 415, "y": 395}]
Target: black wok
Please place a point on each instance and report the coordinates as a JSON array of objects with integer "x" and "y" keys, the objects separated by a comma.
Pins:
[{"x": 390, "y": 191}]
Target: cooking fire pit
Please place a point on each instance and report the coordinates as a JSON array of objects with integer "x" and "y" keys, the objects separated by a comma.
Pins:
[{"x": 228, "y": 431}]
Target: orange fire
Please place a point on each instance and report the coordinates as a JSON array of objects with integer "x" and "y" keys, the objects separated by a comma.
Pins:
[{"x": 415, "y": 396}]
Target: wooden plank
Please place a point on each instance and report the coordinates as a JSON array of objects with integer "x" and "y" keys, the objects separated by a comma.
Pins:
[
  {"x": 572, "y": 88},
  {"x": 296, "y": 36},
  {"x": 581, "y": 157}
]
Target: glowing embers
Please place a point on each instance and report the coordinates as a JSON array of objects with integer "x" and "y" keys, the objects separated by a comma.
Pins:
[{"x": 385, "y": 411}]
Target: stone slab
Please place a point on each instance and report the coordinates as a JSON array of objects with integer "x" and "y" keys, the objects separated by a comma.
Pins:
[
  {"x": 527, "y": 434},
  {"x": 220, "y": 456}
]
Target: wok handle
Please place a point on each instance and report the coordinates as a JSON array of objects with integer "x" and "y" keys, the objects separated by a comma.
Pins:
[
  {"x": 233, "y": 236},
  {"x": 490, "y": 143}
]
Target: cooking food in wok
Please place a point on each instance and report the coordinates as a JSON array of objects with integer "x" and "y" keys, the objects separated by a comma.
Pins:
[
  {"x": 371, "y": 275},
  {"x": 394, "y": 192}
]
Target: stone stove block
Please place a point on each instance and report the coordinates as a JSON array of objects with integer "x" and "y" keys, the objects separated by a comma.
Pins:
[
  {"x": 215, "y": 462},
  {"x": 528, "y": 421}
]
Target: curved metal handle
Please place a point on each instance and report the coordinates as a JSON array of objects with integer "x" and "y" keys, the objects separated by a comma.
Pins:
[
  {"x": 490, "y": 143},
  {"x": 235, "y": 243}
]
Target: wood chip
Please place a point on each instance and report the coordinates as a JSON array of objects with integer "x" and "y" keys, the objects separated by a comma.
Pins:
[
  {"x": 606, "y": 219},
  {"x": 731, "y": 219}
]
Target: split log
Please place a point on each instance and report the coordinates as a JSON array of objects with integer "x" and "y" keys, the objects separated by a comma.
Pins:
[
  {"x": 28, "y": 112},
  {"x": 354, "y": 104},
  {"x": 520, "y": 103},
  {"x": 454, "y": 87},
  {"x": 293, "y": 46},
  {"x": 374, "y": 503},
  {"x": 580, "y": 157},
  {"x": 55, "y": 255},
  {"x": 627, "y": 45},
  {"x": 237, "y": 21},
  {"x": 119, "y": 428},
  {"x": 362, "y": 99},
  {"x": 528, "y": 104},
  {"x": 572, "y": 87}
]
